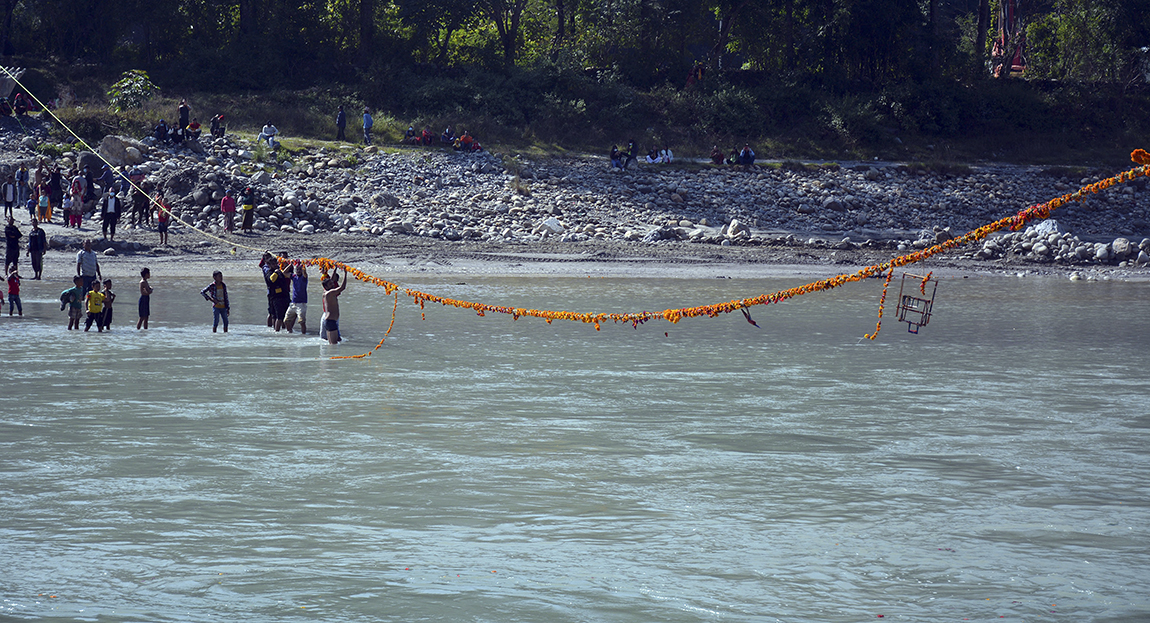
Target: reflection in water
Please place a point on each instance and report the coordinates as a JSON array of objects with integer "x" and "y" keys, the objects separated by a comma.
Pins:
[{"x": 481, "y": 469}]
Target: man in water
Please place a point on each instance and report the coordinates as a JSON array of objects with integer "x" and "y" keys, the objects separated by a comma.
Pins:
[
  {"x": 88, "y": 266},
  {"x": 331, "y": 291}
]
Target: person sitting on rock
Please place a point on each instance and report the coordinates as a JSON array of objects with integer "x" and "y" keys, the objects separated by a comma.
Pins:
[
  {"x": 466, "y": 141},
  {"x": 733, "y": 157},
  {"x": 176, "y": 135},
  {"x": 652, "y": 156},
  {"x": 747, "y": 156},
  {"x": 410, "y": 137},
  {"x": 447, "y": 138},
  {"x": 427, "y": 137},
  {"x": 668, "y": 157},
  {"x": 716, "y": 155},
  {"x": 269, "y": 134},
  {"x": 616, "y": 157},
  {"x": 20, "y": 105},
  {"x": 218, "y": 127},
  {"x": 5, "y": 107},
  {"x": 194, "y": 130},
  {"x": 161, "y": 132}
]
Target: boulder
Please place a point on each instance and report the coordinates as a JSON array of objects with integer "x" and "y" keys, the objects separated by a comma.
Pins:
[
  {"x": 90, "y": 160},
  {"x": 735, "y": 228},
  {"x": 1122, "y": 248},
  {"x": 551, "y": 226},
  {"x": 834, "y": 204},
  {"x": 114, "y": 149}
]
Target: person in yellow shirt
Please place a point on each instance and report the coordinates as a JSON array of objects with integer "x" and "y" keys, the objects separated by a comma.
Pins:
[{"x": 95, "y": 302}]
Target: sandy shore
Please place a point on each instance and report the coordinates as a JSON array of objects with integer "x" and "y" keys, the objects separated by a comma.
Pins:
[{"x": 401, "y": 258}]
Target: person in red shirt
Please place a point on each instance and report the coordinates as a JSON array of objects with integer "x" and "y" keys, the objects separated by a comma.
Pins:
[{"x": 228, "y": 208}]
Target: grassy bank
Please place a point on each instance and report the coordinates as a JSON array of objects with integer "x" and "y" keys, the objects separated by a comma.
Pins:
[{"x": 552, "y": 109}]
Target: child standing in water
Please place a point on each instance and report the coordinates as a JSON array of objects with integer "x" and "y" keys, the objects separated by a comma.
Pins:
[
  {"x": 217, "y": 294},
  {"x": 95, "y": 300},
  {"x": 73, "y": 300},
  {"x": 109, "y": 298},
  {"x": 14, "y": 293},
  {"x": 145, "y": 299}
]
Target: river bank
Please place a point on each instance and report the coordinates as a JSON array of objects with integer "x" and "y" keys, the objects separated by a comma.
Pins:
[{"x": 420, "y": 210}]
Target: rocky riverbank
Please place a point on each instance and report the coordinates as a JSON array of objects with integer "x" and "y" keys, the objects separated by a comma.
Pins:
[{"x": 417, "y": 200}]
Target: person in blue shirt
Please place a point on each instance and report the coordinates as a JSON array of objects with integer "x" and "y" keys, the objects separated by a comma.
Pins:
[
  {"x": 367, "y": 123},
  {"x": 298, "y": 306},
  {"x": 340, "y": 124}
]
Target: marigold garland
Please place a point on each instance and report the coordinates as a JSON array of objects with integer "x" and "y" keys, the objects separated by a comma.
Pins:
[{"x": 1014, "y": 222}]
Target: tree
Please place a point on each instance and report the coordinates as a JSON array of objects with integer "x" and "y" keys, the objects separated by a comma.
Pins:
[{"x": 505, "y": 15}]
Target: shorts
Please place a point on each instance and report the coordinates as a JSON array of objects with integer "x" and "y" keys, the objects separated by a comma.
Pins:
[
  {"x": 162, "y": 227},
  {"x": 145, "y": 306},
  {"x": 295, "y": 310},
  {"x": 75, "y": 313},
  {"x": 331, "y": 325}
]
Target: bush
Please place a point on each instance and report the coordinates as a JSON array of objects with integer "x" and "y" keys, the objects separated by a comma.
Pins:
[{"x": 131, "y": 91}]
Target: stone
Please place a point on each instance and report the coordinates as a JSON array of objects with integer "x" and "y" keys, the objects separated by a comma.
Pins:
[
  {"x": 90, "y": 160},
  {"x": 834, "y": 204},
  {"x": 1143, "y": 259},
  {"x": 550, "y": 226},
  {"x": 1122, "y": 248}
]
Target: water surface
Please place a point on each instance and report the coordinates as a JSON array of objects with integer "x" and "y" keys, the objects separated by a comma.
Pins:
[{"x": 482, "y": 469}]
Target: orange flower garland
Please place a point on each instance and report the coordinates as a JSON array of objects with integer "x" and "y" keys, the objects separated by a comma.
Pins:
[{"x": 1015, "y": 223}]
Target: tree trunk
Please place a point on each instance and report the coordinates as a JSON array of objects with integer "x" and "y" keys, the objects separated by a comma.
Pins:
[
  {"x": 366, "y": 30},
  {"x": 725, "y": 24},
  {"x": 5, "y": 38},
  {"x": 248, "y": 25},
  {"x": 980, "y": 36},
  {"x": 933, "y": 30},
  {"x": 560, "y": 19},
  {"x": 789, "y": 34}
]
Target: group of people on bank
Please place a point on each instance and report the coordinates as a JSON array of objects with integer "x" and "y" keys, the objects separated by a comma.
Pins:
[{"x": 464, "y": 142}]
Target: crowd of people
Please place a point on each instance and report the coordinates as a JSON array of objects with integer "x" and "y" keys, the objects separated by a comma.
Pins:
[
  {"x": 91, "y": 298},
  {"x": 463, "y": 142},
  {"x": 744, "y": 156},
  {"x": 69, "y": 196},
  {"x": 186, "y": 129},
  {"x": 20, "y": 105},
  {"x": 287, "y": 298}
]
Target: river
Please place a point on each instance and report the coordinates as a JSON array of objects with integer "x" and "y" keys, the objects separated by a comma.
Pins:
[{"x": 992, "y": 467}]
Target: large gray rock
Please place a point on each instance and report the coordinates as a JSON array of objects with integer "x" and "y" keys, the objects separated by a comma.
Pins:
[
  {"x": 1122, "y": 248},
  {"x": 90, "y": 160},
  {"x": 120, "y": 150}
]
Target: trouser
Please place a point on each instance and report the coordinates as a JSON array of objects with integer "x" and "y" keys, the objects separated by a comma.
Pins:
[
  {"x": 37, "y": 263},
  {"x": 339, "y": 135},
  {"x": 93, "y": 317},
  {"x": 110, "y": 221},
  {"x": 219, "y": 313},
  {"x": 367, "y": 136},
  {"x": 106, "y": 316},
  {"x": 14, "y": 302}
]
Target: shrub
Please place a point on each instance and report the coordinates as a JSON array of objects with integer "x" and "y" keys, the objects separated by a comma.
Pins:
[{"x": 131, "y": 91}]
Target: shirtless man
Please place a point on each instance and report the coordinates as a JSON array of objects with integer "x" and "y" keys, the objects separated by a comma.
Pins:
[{"x": 331, "y": 291}]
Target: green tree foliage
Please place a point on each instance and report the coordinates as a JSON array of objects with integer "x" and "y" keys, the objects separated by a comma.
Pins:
[{"x": 131, "y": 91}]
